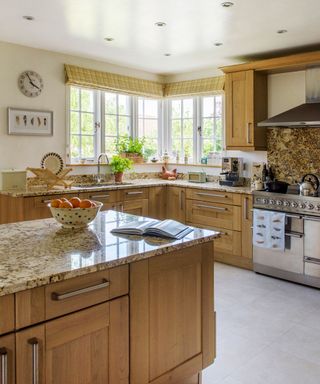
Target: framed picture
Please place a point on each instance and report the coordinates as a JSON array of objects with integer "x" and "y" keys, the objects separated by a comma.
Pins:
[{"x": 30, "y": 122}]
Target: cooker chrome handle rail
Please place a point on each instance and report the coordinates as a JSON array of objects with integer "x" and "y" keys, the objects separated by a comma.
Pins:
[
  {"x": 312, "y": 260},
  {"x": 294, "y": 216},
  {"x": 294, "y": 234},
  {"x": 4, "y": 365},
  {"x": 62, "y": 296},
  {"x": 34, "y": 342},
  {"x": 309, "y": 218}
]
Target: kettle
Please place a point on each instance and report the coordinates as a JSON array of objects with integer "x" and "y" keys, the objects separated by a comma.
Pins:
[{"x": 309, "y": 185}]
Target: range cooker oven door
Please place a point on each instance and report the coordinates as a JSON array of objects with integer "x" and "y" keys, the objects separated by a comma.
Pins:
[
  {"x": 287, "y": 264},
  {"x": 312, "y": 246}
]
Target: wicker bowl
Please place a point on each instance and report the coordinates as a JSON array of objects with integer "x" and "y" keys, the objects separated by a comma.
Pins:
[{"x": 75, "y": 217}]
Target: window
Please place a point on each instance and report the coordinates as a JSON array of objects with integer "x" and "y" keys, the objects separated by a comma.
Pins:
[
  {"x": 182, "y": 122},
  {"x": 82, "y": 124},
  {"x": 148, "y": 125},
  {"x": 211, "y": 124},
  {"x": 117, "y": 119}
]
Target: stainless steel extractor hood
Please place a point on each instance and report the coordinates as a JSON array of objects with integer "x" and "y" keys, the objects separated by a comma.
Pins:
[{"x": 305, "y": 115}]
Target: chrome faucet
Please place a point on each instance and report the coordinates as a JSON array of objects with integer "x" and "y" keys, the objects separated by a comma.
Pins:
[{"x": 99, "y": 177}]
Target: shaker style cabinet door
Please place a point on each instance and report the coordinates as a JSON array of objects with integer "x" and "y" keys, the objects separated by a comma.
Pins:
[{"x": 176, "y": 204}]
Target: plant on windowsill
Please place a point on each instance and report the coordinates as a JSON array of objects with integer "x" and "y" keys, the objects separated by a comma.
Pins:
[
  {"x": 118, "y": 165},
  {"x": 131, "y": 148}
]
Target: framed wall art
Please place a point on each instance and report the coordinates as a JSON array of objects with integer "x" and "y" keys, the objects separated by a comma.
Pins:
[{"x": 29, "y": 122}]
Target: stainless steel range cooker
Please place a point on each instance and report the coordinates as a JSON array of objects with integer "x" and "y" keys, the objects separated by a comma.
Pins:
[{"x": 300, "y": 261}]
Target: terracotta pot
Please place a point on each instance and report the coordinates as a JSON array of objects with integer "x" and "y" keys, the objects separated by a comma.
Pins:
[{"x": 118, "y": 177}]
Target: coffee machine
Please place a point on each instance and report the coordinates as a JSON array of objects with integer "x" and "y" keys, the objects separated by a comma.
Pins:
[{"x": 232, "y": 171}]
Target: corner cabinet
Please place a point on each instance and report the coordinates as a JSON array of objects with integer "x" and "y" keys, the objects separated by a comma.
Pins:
[{"x": 246, "y": 105}]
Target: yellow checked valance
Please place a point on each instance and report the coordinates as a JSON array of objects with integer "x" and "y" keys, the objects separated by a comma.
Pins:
[
  {"x": 210, "y": 85},
  {"x": 94, "y": 79},
  {"x": 90, "y": 78}
]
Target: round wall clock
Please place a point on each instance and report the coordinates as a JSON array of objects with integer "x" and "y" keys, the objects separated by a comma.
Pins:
[{"x": 30, "y": 83}]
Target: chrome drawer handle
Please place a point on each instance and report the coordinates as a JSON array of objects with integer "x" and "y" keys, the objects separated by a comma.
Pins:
[
  {"x": 294, "y": 234},
  {"x": 293, "y": 216},
  {"x": 312, "y": 260},
  {"x": 211, "y": 195},
  {"x": 99, "y": 196},
  {"x": 35, "y": 359},
  {"x": 62, "y": 296},
  {"x": 309, "y": 218},
  {"x": 4, "y": 365},
  {"x": 211, "y": 207},
  {"x": 134, "y": 193}
]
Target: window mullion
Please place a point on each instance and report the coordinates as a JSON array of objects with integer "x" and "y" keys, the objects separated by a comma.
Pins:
[{"x": 102, "y": 117}]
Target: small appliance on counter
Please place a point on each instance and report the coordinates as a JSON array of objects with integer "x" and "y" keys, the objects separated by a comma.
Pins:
[
  {"x": 309, "y": 185},
  {"x": 13, "y": 180},
  {"x": 232, "y": 170},
  {"x": 197, "y": 177}
]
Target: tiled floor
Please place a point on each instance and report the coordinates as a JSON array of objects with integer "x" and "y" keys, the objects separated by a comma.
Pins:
[{"x": 268, "y": 330}]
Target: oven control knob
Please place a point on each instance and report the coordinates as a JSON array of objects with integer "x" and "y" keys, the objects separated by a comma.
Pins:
[
  {"x": 265, "y": 201},
  {"x": 286, "y": 203},
  {"x": 318, "y": 207},
  {"x": 294, "y": 204},
  {"x": 272, "y": 202},
  {"x": 310, "y": 206},
  {"x": 302, "y": 205},
  {"x": 279, "y": 202}
]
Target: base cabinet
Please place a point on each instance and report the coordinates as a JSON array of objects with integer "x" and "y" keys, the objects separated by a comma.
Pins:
[
  {"x": 7, "y": 359},
  {"x": 176, "y": 200},
  {"x": 89, "y": 346}
]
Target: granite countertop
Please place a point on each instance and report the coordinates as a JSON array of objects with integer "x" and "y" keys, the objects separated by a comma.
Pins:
[
  {"x": 39, "y": 252},
  {"x": 130, "y": 184}
]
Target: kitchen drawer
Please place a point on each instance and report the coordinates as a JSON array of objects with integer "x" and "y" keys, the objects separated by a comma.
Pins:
[
  {"x": 6, "y": 314},
  {"x": 229, "y": 243},
  {"x": 213, "y": 214},
  {"x": 102, "y": 196},
  {"x": 214, "y": 196},
  {"x": 136, "y": 193},
  {"x": 43, "y": 201},
  {"x": 84, "y": 291}
]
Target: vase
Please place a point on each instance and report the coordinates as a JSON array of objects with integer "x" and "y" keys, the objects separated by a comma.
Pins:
[{"x": 118, "y": 177}]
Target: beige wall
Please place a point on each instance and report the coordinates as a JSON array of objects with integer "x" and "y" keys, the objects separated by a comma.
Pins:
[{"x": 22, "y": 151}]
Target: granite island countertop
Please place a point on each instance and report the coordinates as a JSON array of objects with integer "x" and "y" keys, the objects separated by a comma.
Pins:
[
  {"x": 137, "y": 183},
  {"x": 38, "y": 252}
]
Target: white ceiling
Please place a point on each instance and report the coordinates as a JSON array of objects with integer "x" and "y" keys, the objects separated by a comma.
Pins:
[{"x": 78, "y": 27}]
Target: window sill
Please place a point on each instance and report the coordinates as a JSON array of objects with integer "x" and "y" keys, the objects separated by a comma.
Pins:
[{"x": 149, "y": 163}]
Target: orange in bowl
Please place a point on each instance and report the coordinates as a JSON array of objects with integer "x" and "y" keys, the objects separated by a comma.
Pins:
[
  {"x": 85, "y": 203},
  {"x": 65, "y": 204},
  {"x": 55, "y": 203},
  {"x": 75, "y": 201}
]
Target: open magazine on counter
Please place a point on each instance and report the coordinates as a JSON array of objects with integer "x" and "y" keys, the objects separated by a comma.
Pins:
[{"x": 166, "y": 228}]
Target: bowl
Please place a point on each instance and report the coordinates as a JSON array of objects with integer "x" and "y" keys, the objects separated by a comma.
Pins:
[{"x": 75, "y": 217}]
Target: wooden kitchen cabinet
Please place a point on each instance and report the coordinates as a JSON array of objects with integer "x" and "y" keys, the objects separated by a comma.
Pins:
[
  {"x": 172, "y": 316},
  {"x": 6, "y": 314},
  {"x": 176, "y": 204},
  {"x": 108, "y": 198},
  {"x": 136, "y": 207},
  {"x": 158, "y": 202},
  {"x": 246, "y": 105},
  {"x": 7, "y": 359},
  {"x": 89, "y": 346}
]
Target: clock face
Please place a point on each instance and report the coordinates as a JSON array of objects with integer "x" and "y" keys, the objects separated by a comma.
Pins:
[{"x": 30, "y": 83}]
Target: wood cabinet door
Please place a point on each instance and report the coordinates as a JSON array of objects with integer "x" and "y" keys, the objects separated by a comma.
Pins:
[
  {"x": 247, "y": 226},
  {"x": 158, "y": 202},
  {"x": 89, "y": 346},
  {"x": 136, "y": 207},
  {"x": 239, "y": 109},
  {"x": 172, "y": 316},
  {"x": 176, "y": 204},
  {"x": 7, "y": 359}
]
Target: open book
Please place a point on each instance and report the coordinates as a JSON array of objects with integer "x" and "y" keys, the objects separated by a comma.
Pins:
[{"x": 166, "y": 228}]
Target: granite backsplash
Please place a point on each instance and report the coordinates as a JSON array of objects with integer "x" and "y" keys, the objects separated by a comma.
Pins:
[{"x": 293, "y": 152}]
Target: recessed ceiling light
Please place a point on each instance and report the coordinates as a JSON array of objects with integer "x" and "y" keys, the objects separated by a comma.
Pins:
[
  {"x": 218, "y": 44},
  {"x": 109, "y": 38},
  {"x": 29, "y": 18},
  {"x": 280, "y": 31},
  {"x": 167, "y": 54},
  {"x": 227, "y": 4},
  {"x": 160, "y": 24}
]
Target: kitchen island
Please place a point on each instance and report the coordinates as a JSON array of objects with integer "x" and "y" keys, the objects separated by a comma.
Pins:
[{"x": 87, "y": 306}]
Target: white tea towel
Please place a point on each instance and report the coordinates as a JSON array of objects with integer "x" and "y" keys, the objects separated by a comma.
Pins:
[
  {"x": 261, "y": 223},
  {"x": 277, "y": 230}
]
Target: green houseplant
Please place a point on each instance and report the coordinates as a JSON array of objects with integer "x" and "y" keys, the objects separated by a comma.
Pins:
[
  {"x": 131, "y": 148},
  {"x": 118, "y": 166}
]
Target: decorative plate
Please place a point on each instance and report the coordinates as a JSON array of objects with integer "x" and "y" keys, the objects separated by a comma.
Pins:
[{"x": 52, "y": 161}]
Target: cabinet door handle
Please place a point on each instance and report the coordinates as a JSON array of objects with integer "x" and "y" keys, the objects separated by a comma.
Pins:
[
  {"x": 181, "y": 200},
  {"x": 212, "y": 195},
  {"x": 245, "y": 208},
  {"x": 99, "y": 196},
  {"x": 34, "y": 342},
  {"x": 46, "y": 201},
  {"x": 248, "y": 133},
  {"x": 134, "y": 193},
  {"x": 66, "y": 295},
  {"x": 4, "y": 365},
  {"x": 212, "y": 207}
]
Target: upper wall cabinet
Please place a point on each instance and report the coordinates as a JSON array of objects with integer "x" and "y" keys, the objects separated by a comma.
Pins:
[{"x": 246, "y": 105}]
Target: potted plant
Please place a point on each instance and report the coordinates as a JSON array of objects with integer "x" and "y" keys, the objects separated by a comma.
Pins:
[
  {"x": 131, "y": 148},
  {"x": 118, "y": 166}
]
